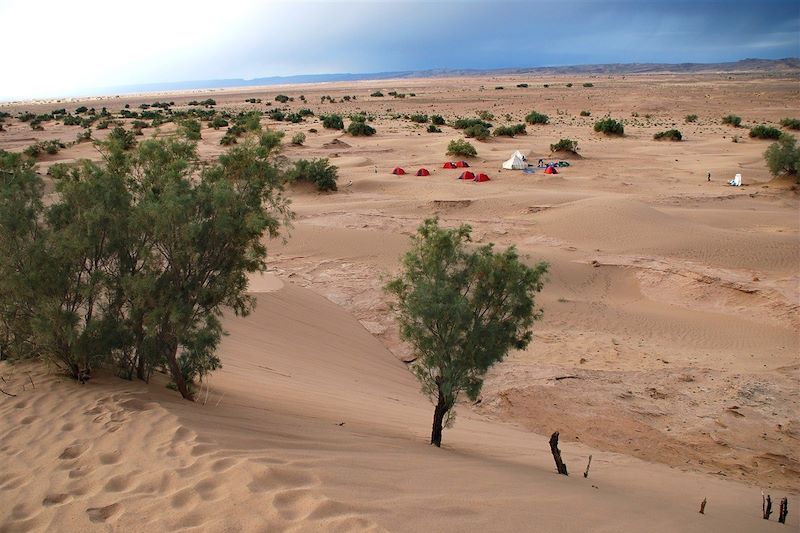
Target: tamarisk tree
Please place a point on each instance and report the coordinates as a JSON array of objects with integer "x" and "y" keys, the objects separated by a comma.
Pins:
[{"x": 462, "y": 310}]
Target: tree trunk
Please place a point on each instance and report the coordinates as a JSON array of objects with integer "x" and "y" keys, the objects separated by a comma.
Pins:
[
  {"x": 171, "y": 354},
  {"x": 438, "y": 420},
  {"x": 560, "y": 466}
]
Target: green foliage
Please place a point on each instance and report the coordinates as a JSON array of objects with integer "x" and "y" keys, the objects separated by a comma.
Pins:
[
  {"x": 586, "y": 113},
  {"x": 81, "y": 109},
  {"x": 50, "y": 147},
  {"x": 691, "y": 118},
  {"x": 464, "y": 123},
  {"x": 305, "y": 112},
  {"x": 791, "y": 123},
  {"x": 588, "y": 84},
  {"x": 569, "y": 85},
  {"x": 509, "y": 131},
  {"x": 72, "y": 120},
  {"x": 332, "y": 122},
  {"x": 419, "y": 118},
  {"x": 377, "y": 94},
  {"x": 462, "y": 311},
  {"x": 359, "y": 128},
  {"x": 609, "y": 126},
  {"x": 317, "y": 171},
  {"x": 765, "y": 132},
  {"x": 565, "y": 145},
  {"x": 486, "y": 115},
  {"x": 134, "y": 262},
  {"x": 668, "y": 135},
  {"x": 208, "y": 102},
  {"x": 217, "y": 123},
  {"x": 121, "y": 138},
  {"x": 437, "y": 120},
  {"x": 432, "y": 128},
  {"x": 282, "y": 98},
  {"x": 733, "y": 120},
  {"x": 537, "y": 118},
  {"x": 522, "y": 85},
  {"x": 298, "y": 139},
  {"x": 478, "y": 132},
  {"x": 783, "y": 157},
  {"x": 460, "y": 147}
]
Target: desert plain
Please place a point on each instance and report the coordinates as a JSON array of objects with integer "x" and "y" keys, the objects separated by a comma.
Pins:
[{"x": 668, "y": 348}]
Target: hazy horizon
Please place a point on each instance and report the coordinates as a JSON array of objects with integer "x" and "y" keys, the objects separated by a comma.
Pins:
[{"x": 92, "y": 47}]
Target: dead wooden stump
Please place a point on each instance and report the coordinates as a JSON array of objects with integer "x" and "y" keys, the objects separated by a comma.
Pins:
[
  {"x": 560, "y": 466},
  {"x": 783, "y": 510},
  {"x": 703, "y": 506},
  {"x": 766, "y": 506},
  {"x": 586, "y": 474}
]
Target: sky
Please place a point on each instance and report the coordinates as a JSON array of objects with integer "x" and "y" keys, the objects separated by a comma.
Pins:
[{"x": 84, "y": 47}]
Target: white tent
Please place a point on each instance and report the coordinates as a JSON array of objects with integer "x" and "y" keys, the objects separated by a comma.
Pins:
[
  {"x": 736, "y": 181},
  {"x": 516, "y": 162}
]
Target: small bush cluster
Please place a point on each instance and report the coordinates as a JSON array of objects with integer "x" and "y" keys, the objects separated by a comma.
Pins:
[
  {"x": 586, "y": 113},
  {"x": 460, "y": 147},
  {"x": 691, "y": 118},
  {"x": 522, "y": 85},
  {"x": 609, "y": 126},
  {"x": 50, "y": 147},
  {"x": 332, "y": 122},
  {"x": 418, "y": 118},
  {"x": 669, "y": 135},
  {"x": 509, "y": 131},
  {"x": 565, "y": 145},
  {"x": 433, "y": 128},
  {"x": 282, "y": 98},
  {"x": 765, "y": 132},
  {"x": 377, "y": 94},
  {"x": 190, "y": 128},
  {"x": 588, "y": 84},
  {"x": 464, "y": 123},
  {"x": 783, "y": 157},
  {"x": 358, "y": 128},
  {"x": 537, "y": 118},
  {"x": 478, "y": 132},
  {"x": 733, "y": 120},
  {"x": 438, "y": 120},
  {"x": 208, "y": 102},
  {"x": 317, "y": 171},
  {"x": 298, "y": 139},
  {"x": 791, "y": 123}
]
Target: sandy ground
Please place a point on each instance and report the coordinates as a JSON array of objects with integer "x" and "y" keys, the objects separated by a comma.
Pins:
[{"x": 668, "y": 349}]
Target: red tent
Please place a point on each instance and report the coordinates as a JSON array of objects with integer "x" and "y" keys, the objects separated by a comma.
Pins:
[
  {"x": 423, "y": 172},
  {"x": 398, "y": 171},
  {"x": 550, "y": 170},
  {"x": 449, "y": 164},
  {"x": 482, "y": 177},
  {"x": 467, "y": 175},
  {"x": 462, "y": 164}
]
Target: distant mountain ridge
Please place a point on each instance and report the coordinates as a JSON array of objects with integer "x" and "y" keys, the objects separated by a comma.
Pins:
[{"x": 790, "y": 64}]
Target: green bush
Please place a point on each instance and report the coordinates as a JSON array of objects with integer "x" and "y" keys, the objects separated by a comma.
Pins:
[
  {"x": 791, "y": 123},
  {"x": 419, "y": 118},
  {"x": 282, "y": 98},
  {"x": 358, "y": 128},
  {"x": 784, "y": 156},
  {"x": 432, "y": 128},
  {"x": 33, "y": 150},
  {"x": 217, "y": 123},
  {"x": 276, "y": 114},
  {"x": 81, "y": 109},
  {"x": 486, "y": 115},
  {"x": 537, "y": 118},
  {"x": 765, "y": 132},
  {"x": 298, "y": 139},
  {"x": 227, "y": 139},
  {"x": 71, "y": 120},
  {"x": 60, "y": 171},
  {"x": 522, "y": 85},
  {"x": 565, "y": 145},
  {"x": 569, "y": 85},
  {"x": 122, "y": 138},
  {"x": 190, "y": 128},
  {"x": 464, "y": 123},
  {"x": 294, "y": 118},
  {"x": 460, "y": 147},
  {"x": 478, "y": 132},
  {"x": 437, "y": 120},
  {"x": 317, "y": 171},
  {"x": 691, "y": 118},
  {"x": 609, "y": 126},
  {"x": 332, "y": 121},
  {"x": 305, "y": 112},
  {"x": 588, "y": 84},
  {"x": 586, "y": 113},
  {"x": 378, "y": 94},
  {"x": 509, "y": 131},
  {"x": 733, "y": 120},
  {"x": 669, "y": 135}
]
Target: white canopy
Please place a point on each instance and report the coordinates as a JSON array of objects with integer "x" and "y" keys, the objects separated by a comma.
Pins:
[
  {"x": 516, "y": 162},
  {"x": 736, "y": 181}
]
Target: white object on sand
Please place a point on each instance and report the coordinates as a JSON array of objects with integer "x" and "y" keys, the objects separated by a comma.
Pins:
[{"x": 516, "y": 162}]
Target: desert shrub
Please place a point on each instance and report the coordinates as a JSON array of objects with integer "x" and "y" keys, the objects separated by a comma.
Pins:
[
  {"x": 71, "y": 120},
  {"x": 509, "y": 131},
  {"x": 305, "y": 112},
  {"x": 271, "y": 140},
  {"x": 691, "y": 118},
  {"x": 298, "y": 139},
  {"x": 586, "y": 113},
  {"x": 609, "y": 126},
  {"x": 765, "y": 132},
  {"x": 85, "y": 135},
  {"x": 419, "y": 118},
  {"x": 33, "y": 150},
  {"x": 486, "y": 115},
  {"x": 317, "y": 171},
  {"x": 668, "y": 135},
  {"x": 377, "y": 94},
  {"x": 60, "y": 171},
  {"x": 294, "y": 118},
  {"x": 569, "y": 85},
  {"x": 282, "y": 98},
  {"x": 332, "y": 122},
  {"x": 122, "y": 138},
  {"x": 399, "y": 95},
  {"x": 537, "y": 118},
  {"x": 588, "y": 84},
  {"x": 81, "y": 109},
  {"x": 358, "y": 128},
  {"x": 250, "y": 121},
  {"x": 733, "y": 120},
  {"x": 522, "y": 85},
  {"x": 499, "y": 88},
  {"x": 227, "y": 140},
  {"x": 438, "y": 120},
  {"x": 433, "y": 128},
  {"x": 565, "y": 145},
  {"x": 312, "y": 130},
  {"x": 26, "y": 116},
  {"x": 461, "y": 147},
  {"x": 190, "y": 128},
  {"x": 783, "y": 157},
  {"x": 139, "y": 124},
  {"x": 103, "y": 124},
  {"x": 791, "y": 123},
  {"x": 276, "y": 114},
  {"x": 478, "y": 132},
  {"x": 464, "y": 123},
  {"x": 359, "y": 117},
  {"x": 217, "y": 123}
]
